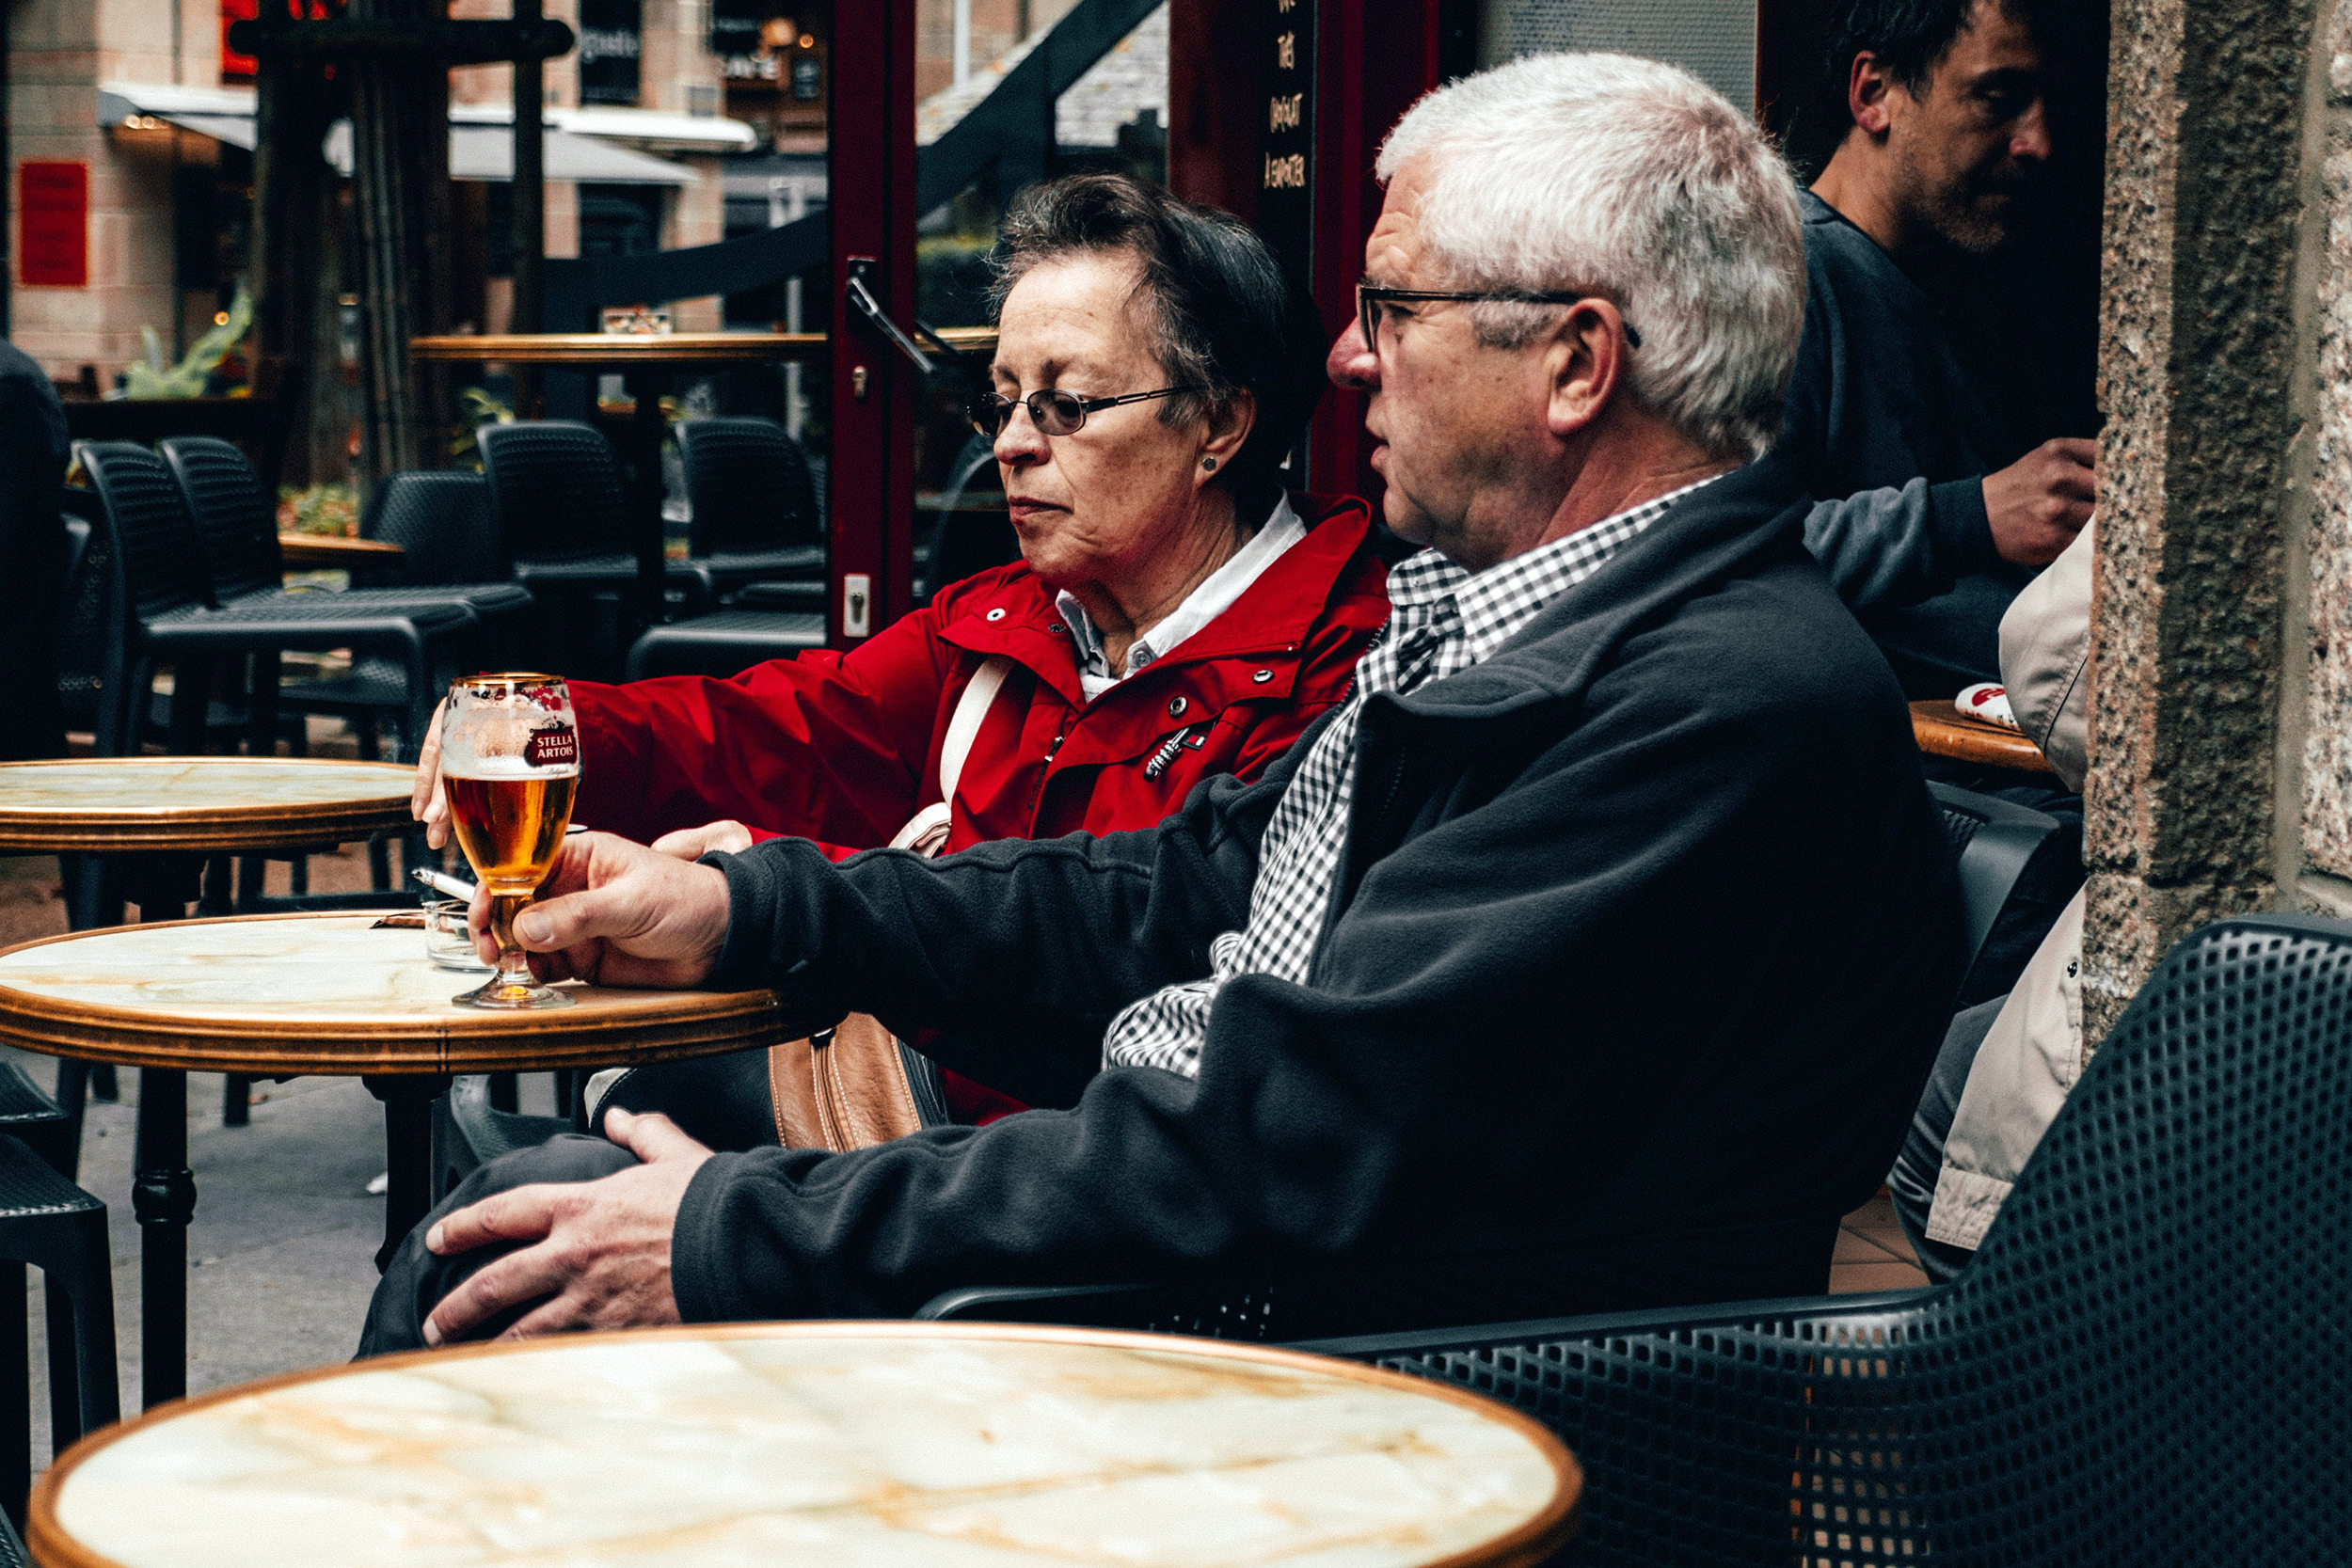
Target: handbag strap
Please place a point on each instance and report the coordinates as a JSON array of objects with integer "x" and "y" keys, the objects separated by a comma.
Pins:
[{"x": 926, "y": 831}]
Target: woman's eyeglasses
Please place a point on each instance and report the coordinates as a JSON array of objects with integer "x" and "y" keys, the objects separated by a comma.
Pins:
[
  {"x": 1370, "y": 297},
  {"x": 1054, "y": 412}
]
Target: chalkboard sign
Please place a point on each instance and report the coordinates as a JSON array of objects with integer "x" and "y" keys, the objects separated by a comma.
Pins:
[
  {"x": 1287, "y": 132},
  {"x": 609, "y": 44}
]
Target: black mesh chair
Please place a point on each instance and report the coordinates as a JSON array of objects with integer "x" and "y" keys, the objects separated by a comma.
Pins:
[
  {"x": 1996, "y": 844},
  {"x": 158, "y": 608},
  {"x": 237, "y": 524},
  {"x": 558, "y": 502},
  {"x": 754, "y": 507},
  {"x": 48, "y": 1222},
  {"x": 442, "y": 522},
  {"x": 722, "y": 644},
  {"x": 2142, "y": 1364}
]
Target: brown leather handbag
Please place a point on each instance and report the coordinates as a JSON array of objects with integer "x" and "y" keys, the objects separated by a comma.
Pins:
[{"x": 849, "y": 1087}]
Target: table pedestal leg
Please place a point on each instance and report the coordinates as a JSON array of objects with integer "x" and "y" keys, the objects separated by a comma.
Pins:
[
  {"x": 644, "y": 436},
  {"x": 162, "y": 1196},
  {"x": 408, "y": 1153}
]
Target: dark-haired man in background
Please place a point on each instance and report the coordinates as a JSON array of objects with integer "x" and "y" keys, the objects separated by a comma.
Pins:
[{"x": 1932, "y": 512}]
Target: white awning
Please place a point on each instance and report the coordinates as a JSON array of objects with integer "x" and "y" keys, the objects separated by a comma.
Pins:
[
  {"x": 224, "y": 114},
  {"x": 601, "y": 144},
  {"x": 487, "y": 153},
  {"x": 651, "y": 129}
]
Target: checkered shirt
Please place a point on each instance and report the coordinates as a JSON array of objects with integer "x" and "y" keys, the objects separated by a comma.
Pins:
[{"x": 1442, "y": 620}]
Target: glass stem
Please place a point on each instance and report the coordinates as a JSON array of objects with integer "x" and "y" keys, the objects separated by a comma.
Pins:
[{"x": 514, "y": 967}]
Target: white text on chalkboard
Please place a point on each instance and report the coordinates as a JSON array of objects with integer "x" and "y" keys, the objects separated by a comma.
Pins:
[
  {"x": 1286, "y": 50},
  {"x": 1286, "y": 174},
  {"x": 1284, "y": 114}
]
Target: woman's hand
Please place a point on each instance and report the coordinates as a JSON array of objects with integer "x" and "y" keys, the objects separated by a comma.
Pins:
[
  {"x": 617, "y": 913},
  {"x": 692, "y": 844},
  {"x": 428, "y": 802}
]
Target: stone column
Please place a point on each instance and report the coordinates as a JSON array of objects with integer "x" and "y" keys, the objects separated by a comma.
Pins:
[{"x": 2206, "y": 376}]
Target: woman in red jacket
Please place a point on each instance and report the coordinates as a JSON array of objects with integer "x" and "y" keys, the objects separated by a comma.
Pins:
[{"x": 1174, "y": 616}]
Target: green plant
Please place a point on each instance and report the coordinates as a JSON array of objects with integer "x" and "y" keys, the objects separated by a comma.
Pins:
[
  {"x": 481, "y": 409},
  {"x": 153, "y": 379},
  {"x": 331, "y": 510}
]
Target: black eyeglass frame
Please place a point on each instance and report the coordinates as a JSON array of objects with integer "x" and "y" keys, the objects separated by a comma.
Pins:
[
  {"x": 1369, "y": 296},
  {"x": 1002, "y": 406}
]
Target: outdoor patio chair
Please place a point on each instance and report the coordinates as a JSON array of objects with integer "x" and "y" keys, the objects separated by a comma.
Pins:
[
  {"x": 159, "y": 610},
  {"x": 558, "y": 502},
  {"x": 754, "y": 507},
  {"x": 2010, "y": 890},
  {"x": 724, "y": 644},
  {"x": 46, "y": 1221},
  {"x": 2143, "y": 1364}
]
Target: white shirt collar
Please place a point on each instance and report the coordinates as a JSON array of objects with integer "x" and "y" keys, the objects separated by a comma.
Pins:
[{"x": 1215, "y": 595}]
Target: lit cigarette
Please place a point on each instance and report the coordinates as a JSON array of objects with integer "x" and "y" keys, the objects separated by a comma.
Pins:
[{"x": 441, "y": 882}]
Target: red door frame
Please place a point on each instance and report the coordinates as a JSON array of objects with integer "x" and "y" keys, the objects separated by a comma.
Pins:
[{"x": 870, "y": 479}]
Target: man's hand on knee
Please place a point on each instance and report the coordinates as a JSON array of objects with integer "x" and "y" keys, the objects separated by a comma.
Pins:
[{"x": 599, "y": 1251}]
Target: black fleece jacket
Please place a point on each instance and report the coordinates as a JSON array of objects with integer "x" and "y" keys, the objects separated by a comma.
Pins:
[{"x": 1644, "y": 939}]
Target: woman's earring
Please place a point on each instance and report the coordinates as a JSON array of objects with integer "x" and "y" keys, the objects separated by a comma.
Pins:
[{"x": 1210, "y": 463}]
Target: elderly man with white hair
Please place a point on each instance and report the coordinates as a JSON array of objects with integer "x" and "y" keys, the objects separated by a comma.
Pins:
[{"x": 1543, "y": 975}]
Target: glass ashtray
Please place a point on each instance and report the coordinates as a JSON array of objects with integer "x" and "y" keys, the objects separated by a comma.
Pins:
[{"x": 447, "y": 942}]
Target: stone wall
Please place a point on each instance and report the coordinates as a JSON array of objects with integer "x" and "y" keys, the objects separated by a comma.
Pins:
[{"x": 2221, "y": 775}]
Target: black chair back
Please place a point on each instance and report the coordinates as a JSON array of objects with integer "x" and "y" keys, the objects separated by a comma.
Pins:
[
  {"x": 1994, "y": 843},
  {"x": 236, "y": 519},
  {"x": 2143, "y": 1364},
  {"x": 442, "y": 520},
  {"x": 749, "y": 486},
  {"x": 555, "y": 490},
  {"x": 145, "y": 526}
]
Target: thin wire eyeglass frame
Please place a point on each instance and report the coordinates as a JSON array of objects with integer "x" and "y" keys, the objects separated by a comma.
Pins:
[
  {"x": 990, "y": 412},
  {"x": 1370, "y": 296}
]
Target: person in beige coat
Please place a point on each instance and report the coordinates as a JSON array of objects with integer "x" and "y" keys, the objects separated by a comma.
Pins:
[{"x": 2014, "y": 1060}]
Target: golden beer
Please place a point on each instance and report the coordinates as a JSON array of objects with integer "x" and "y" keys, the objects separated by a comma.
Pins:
[{"x": 511, "y": 824}]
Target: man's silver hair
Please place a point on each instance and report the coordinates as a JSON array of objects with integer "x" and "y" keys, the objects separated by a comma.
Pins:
[{"x": 1633, "y": 181}]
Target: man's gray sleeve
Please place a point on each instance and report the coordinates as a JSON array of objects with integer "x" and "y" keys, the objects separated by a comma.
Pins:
[{"x": 1887, "y": 549}]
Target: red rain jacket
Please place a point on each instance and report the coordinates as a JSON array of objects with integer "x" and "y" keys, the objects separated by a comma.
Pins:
[{"x": 844, "y": 748}]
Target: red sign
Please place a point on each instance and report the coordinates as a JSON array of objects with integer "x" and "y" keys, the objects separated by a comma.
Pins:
[
  {"x": 233, "y": 66},
  {"x": 53, "y": 224}
]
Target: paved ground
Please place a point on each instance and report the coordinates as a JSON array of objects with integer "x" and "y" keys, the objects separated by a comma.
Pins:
[{"x": 282, "y": 1249}]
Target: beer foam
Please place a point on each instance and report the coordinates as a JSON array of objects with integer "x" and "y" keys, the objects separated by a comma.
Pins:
[{"x": 507, "y": 768}]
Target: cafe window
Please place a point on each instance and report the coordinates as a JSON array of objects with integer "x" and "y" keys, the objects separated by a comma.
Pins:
[{"x": 1712, "y": 40}]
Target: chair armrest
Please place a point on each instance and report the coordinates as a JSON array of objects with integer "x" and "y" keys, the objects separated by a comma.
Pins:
[{"x": 1090, "y": 1306}]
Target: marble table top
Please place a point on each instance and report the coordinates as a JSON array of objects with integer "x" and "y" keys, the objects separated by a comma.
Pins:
[
  {"x": 819, "y": 1444},
  {"x": 197, "y": 803},
  {"x": 329, "y": 993}
]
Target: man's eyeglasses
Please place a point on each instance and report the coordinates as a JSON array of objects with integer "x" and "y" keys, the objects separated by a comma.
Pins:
[
  {"x": 1054, "y": 412},
  {"x": 1370, "y": 297}
]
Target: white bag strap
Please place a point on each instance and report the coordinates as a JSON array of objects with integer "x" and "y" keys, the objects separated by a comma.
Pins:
[{"x": 926, "y": 829}]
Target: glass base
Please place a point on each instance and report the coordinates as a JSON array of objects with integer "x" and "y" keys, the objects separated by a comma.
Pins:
[{"x": 502, "y": 994}]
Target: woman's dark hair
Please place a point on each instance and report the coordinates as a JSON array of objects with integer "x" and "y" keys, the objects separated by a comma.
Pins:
[{"x": 1223, "y": 315}]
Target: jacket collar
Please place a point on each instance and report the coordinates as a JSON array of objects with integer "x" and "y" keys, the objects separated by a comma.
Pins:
[
  {"x": 1273, "y": 615},
  {"x": 1748, "y": 518}
]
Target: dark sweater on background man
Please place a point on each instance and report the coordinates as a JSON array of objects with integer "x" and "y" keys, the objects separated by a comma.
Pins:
[
  {"x": 1894, "y": 440},
  {"x": 1615, "y": 1005}
]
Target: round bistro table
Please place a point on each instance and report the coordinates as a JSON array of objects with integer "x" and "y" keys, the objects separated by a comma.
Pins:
[
  {"x": 820, "y": 1443},
  {"x": 289, "y": 995},
  {"x": 138, "y": 815}
]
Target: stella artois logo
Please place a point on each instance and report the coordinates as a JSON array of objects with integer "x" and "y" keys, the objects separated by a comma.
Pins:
[{"x": 558, "y": 748}]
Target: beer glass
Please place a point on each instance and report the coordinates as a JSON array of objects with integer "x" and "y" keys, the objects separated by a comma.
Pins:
[{"x": 510, "y": 764}]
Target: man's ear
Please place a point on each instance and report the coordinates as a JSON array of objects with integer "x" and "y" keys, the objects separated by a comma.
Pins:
[
  {"x": 1866, "y": 89},
  {"x": 1586, "y": 362},
  {"x": 1229, "y": 426}
]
